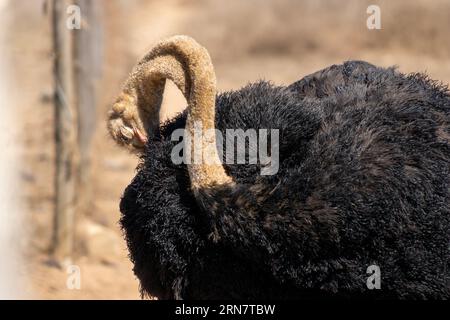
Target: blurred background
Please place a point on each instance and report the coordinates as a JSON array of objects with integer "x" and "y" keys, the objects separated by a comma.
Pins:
[{"x": 45, "y": 243}]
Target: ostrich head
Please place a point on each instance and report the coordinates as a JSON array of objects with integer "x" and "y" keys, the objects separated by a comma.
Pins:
[{"x": 135, "y": 114}]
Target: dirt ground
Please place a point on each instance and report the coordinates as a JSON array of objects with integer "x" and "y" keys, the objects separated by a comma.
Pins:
[{"x": 248, "y": 40}]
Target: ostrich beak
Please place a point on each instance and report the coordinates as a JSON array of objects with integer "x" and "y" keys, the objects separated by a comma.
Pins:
[{"x": 140, "y": 136}]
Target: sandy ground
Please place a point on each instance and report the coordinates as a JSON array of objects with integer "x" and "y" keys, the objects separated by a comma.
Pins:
[{"x": 243, "y": 50}]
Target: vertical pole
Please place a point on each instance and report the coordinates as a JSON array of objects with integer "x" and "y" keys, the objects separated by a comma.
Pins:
[
  {"x": 65, "y": 133},
  {"x": 88, "y": 64}
]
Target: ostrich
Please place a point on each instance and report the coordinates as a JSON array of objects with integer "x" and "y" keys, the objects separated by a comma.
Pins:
[{"x": 363, "y": 180}]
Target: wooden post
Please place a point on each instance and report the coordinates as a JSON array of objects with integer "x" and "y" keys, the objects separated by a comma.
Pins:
[
  {"x": 65, "y": 133},
  {"x": 88, "y": 67}
]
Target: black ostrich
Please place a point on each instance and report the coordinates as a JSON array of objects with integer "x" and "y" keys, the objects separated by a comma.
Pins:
[{"x": 363, "y": 179}]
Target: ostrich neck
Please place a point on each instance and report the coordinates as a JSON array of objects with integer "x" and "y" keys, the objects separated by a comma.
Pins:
[
  {"x": 210, "y": 172},
  {"x": 189, "y": 66}
]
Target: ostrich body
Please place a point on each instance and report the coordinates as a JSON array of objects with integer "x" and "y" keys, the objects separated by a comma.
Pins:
[{"x": 364, "y": 179}]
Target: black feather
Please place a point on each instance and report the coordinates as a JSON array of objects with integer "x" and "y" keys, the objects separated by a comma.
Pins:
[{"x": 364, "y": 179}]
